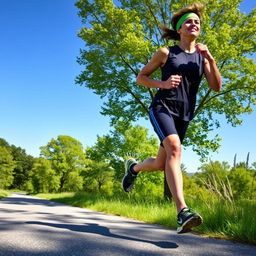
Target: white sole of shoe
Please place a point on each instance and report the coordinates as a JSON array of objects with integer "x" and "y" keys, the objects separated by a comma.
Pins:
[{"x": 189, "y": 224}]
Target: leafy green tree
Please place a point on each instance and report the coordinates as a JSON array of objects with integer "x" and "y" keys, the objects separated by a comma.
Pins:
[
  {"x": 6, "y": 168},
  {"x": 74, "y": 182},
  {"x": 120, "y": 37},
  {"x": 214, "y": 177},
  {"x": 242, "y": 182},
  {"x": 4, "y": 143},
  {"x": 253, "y": 185},
  {"x": 43, "y": 178},
  {"x": 98, "y": 177},
  {"x": 216, "y": 168},
  {"x": 126, "y": 141},
  {"x": 243, "y": 176},
  {"x": 193, "y": 190},
  {"x": 24, "y": 164},
  {"x": 236, "y": 183},
  {"x": 67, "y": 160}
]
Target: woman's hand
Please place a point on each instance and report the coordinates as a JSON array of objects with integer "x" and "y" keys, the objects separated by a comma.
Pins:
[
  {"x": 172, "y": 82},
  {"x": 204, "y": 51}
]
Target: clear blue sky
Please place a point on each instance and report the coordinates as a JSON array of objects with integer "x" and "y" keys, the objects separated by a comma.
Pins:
[{"x": 39, "y": 99}]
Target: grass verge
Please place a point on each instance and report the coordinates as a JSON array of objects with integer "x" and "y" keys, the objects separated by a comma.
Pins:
[
  {"x": 3, "y": 193},
  {"x": 222, "y": 219}
]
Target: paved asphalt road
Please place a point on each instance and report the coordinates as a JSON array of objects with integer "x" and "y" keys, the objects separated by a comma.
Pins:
[{"x": 33, "y": 226}]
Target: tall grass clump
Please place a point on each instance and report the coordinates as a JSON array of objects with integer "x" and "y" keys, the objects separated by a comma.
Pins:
[{"x": 224, "y": 216}]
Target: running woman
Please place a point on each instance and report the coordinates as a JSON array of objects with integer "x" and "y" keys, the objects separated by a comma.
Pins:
[{"x": 182, "y": 67}]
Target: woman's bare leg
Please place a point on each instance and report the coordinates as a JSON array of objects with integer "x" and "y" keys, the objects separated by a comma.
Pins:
[
  {"x": 168, "y": 159},
  {"x": 173, "y": 173},
  {"x": 153, "y": 163}
]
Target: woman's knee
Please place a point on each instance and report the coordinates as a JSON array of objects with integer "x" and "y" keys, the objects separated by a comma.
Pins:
[{"x": 172, "y": 145}]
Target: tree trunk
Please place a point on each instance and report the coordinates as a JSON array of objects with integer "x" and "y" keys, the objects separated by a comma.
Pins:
[{"x": 62, "y": 181}]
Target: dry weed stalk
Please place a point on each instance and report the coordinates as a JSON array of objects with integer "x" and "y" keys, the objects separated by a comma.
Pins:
[{"x": 214, "y": 183}]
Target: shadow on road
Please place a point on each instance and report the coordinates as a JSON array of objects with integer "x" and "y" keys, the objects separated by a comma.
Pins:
[{"x": 104, "y": 231}]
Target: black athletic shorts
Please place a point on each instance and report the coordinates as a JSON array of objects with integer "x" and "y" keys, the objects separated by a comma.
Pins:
[{"x": 165, "y": 123}]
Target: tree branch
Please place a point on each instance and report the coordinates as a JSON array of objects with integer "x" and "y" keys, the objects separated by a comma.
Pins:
[
  {"x": 206, "y": 101},
  {"x": 151, "y": 93},
  {"x": 227, "y": 91},
  {"x": 161, "y": 7},
  {"x": 218, "y": 16},
  {"x": 127, "y": 89},
  {"x": 156, "y": 23},
  {"x": 222, "y": 64},
  {"x": 202, "y": 102},
  {"x": 127, "y": 64}
]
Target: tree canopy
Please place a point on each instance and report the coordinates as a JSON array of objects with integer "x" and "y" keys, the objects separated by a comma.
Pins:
[
  {"x": 67, "y": 160},
  {"x": 7, "y": 166},
  {"x": 22, "y": 164},
  {"x": 121, "y": 36}
]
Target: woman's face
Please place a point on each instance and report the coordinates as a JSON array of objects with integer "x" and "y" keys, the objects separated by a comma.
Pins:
[{"x": 190, "y": 27}]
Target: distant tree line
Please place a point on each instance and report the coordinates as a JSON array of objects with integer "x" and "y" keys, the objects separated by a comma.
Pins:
[
  {"x": 15, "y": 165},
  {"x": 64, "y": 165}
]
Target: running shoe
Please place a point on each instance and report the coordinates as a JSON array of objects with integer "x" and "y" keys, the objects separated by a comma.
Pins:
[
  {"x": 187, "y": 219},
  {"x": 129, "y": 178}
]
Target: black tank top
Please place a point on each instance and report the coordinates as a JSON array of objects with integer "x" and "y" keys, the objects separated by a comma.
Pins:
[{"x": 181, "y": 101}]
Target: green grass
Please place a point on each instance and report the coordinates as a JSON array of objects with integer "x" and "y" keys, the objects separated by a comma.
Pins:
[
  {"x": 222, "y": 219},
  {"x": 3, "y": 193}
]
